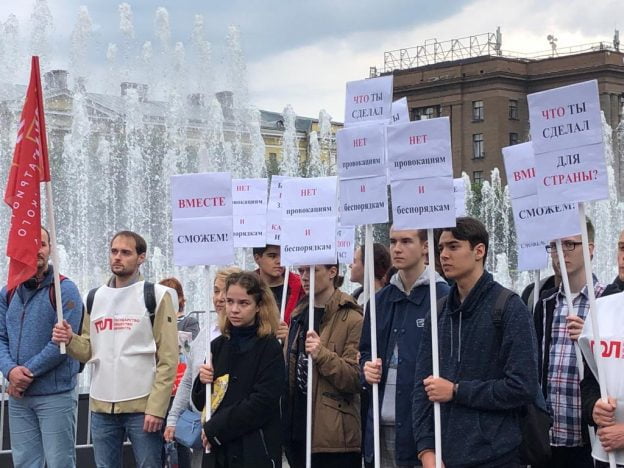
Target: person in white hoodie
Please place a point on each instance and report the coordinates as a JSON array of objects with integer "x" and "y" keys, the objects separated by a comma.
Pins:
[{"x": 402, "y": 307}]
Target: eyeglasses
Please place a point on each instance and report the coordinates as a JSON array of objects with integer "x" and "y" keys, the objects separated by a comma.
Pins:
[{"x": 566, "y": 246}]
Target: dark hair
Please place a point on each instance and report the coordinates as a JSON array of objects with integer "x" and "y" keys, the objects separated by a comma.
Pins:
[
  {"x": 591, "y": 232},
  {"x": 47, "y": 232},
  {"x": 260, "y": 250},
  {"x": 390, "y": 273},
  {"x": 267, "y": 317},
  {"x": 381, "y": 256},
  {"x": 338, "y": 279},
  {"x": 139, "y": 242},
  {"x": 471, "y": 230},
  {"x": 173, "y": 283}
]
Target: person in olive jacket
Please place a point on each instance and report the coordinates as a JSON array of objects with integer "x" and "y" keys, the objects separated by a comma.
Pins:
[
  {"x": 333, "y": 347},
  {"x": 245, "y": 428}
]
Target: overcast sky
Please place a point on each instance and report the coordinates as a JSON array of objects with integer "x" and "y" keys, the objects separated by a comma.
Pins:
[{"x": 301, "y": 53}]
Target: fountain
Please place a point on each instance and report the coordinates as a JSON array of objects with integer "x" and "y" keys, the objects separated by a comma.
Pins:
[{"x": 156, "y": 108}]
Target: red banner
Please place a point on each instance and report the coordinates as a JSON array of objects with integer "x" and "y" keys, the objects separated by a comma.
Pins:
[{"x": 30, "y": 166}]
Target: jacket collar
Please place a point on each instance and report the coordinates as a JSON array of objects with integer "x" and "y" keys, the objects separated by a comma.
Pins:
[{"x": 475, "y": 297}]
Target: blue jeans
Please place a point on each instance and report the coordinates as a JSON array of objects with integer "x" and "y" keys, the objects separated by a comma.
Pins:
[
  {"x": 43, "y": 430},
  {"x": 108, "y": 432}
]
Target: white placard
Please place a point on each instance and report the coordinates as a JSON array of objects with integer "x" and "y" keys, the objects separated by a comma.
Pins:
[
  {"x": 249, "y": 196},
  {"x": 368, "y": 100},
  {"x": 363, "y": 201},
  {"x": 361, "y": 151},
  {"x": 611, "y": 351},
  {"x": 203, "y": 241},
  {"x": 532, "y": 255},
  {"x": 400, "y": 112},
  {"x": 250, "y": 230},
  {"x": 574, "y": 175},
  {"x": 421, "y": 149},
  {"x": 565, "y": 117},
  {"x": 520, "y": 170},
  {"x": 309, "y": 241},
  {"x": 345, "y": 244},
  {"x": 423, "y": 203},
  {"x": 201, "y": 195},
  {"x": 275, "y": 194},
  {"x": 459, "y": 189},
  {"x": 544, "y": 223},
  {"x": 274, "y": 227},
  {"x": 309, "y": 197}
]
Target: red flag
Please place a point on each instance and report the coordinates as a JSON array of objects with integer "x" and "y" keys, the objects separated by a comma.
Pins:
[{"x": 29, "y": 167}]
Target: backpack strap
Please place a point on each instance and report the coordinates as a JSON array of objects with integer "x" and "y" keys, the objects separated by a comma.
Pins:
[
  {"x": 9, "y": 295},
  {"x": 499, "y": 309},
  {"x": 149, "y": 295},
  {"x": 90, "y": 298},
  {"x": 51, "y": 293}
]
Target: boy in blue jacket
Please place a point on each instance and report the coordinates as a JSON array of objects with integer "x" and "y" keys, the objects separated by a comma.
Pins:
[{"x": 488, "y": 371}]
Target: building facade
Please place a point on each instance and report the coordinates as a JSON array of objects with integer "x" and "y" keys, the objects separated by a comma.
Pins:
[{"x": 485, "y": 97}]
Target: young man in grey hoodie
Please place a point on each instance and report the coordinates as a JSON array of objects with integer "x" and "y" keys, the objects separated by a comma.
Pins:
[{"x": 402, "y": 306}]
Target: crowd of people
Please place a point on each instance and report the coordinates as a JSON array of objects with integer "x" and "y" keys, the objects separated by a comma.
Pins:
[{"x": 244, "y": 404}]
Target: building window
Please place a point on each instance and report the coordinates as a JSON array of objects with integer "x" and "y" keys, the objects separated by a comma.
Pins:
[
  {"x": 513, "y": 109},
  {"x": 477, "y": 177},
  {"x": 513, "y": 139},
  {"x": 477, "y": 111},
  {"x": 477, "y": 146},
  {"x": 429, "y": 112}
]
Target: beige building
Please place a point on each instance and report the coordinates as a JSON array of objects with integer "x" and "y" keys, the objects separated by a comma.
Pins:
[{"x": 484, "y": 92}]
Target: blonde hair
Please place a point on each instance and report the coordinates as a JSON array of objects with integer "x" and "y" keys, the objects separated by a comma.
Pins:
[
  {"x": 222, "y": 274},
  {"x": 268, "y": 313}
]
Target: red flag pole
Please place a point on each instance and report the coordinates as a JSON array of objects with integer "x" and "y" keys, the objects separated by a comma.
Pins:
[{"x": 45, "y": 171}]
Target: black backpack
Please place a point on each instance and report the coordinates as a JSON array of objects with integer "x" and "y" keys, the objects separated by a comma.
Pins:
[
  {"x": 149, "y": 295},
  {"x": 535, "y": 420}
]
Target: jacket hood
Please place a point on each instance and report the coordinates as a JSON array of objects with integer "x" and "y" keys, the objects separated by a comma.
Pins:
[{"x": 422, "y": 280}]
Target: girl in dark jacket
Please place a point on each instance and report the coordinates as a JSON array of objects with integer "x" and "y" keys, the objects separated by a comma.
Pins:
[{"x": 244, "y": 429}]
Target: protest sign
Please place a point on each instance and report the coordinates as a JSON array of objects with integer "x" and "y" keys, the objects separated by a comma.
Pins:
[
  {"x": 575, "y": 175},
  {"x": 274, "y": 226},
  {"x": 544, "y": 223},
  {"x": 203, "y": 241},
  {"x": 459, "y": 189},
  {"x": 423, "y": 203},
  {"x": 250, "y": 230},
  {"x": 249, "y": 196},
  {"x": 309, "y": 241},
  {"x": 532, "y": 255},
  {"x": 400, "y": 113},
  {"x": 201, "y": 195},
  {"x": 363, "y": 201},
  {"x": 368, "y": 100},
  {"x": 565, "y": 117},
  {"x": 520, "y": 169},
  {"x": 610, "y": 349},
  {"x": 345, "y": 244},
  {"x": 361, "y": 151},
  {"x": 275, "y": 194},
  {"x": 420, "y": 149},
  {"x": 315, "y": 196}
]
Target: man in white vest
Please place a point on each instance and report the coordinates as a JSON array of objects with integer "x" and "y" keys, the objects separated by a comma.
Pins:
[{"x": 134, "y": 353}]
